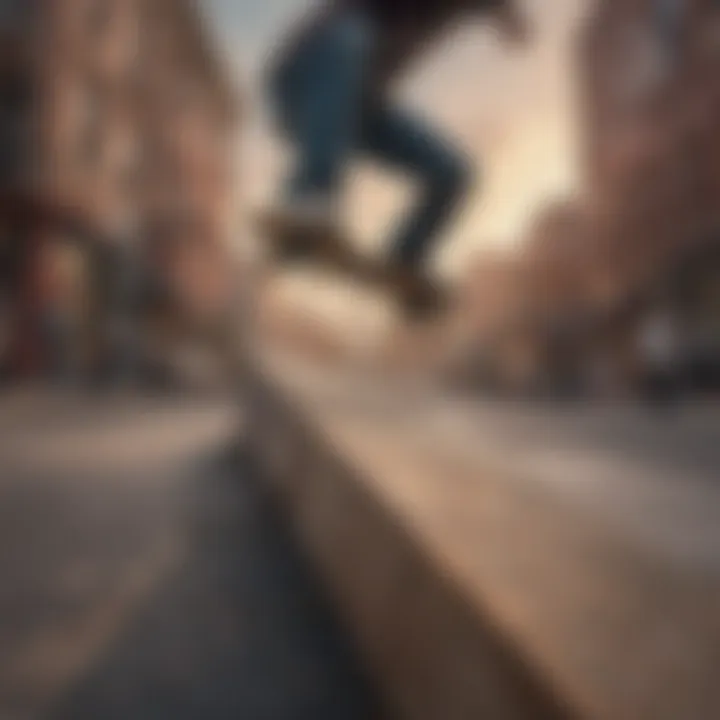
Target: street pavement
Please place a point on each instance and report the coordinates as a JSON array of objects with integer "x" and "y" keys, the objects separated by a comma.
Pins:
[
  {"x": 586, "y": 534},
  {"x": 651, "y": 476},
  {"x": 143, "y": 574}
]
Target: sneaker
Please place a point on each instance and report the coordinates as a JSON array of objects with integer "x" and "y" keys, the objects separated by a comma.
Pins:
[{"x": 301, "y": 228}]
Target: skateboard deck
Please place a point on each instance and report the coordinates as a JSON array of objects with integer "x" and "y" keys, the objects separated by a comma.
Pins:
[
  {"x": 339, "y": 255},
  {"x": 332, "y": 253}
]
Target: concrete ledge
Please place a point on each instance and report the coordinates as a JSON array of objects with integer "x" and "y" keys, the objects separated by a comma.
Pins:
[{"x": 472, "y": 593}]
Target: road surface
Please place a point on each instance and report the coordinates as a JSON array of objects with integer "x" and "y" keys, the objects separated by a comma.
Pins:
[
  {"x": 143, "y": 574},
  {"x": 586, "y": 535},
  {"x": 653, "y": 477}
]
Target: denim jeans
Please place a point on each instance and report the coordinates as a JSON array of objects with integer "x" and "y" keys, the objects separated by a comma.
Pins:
[{"x": 321, "y": 99}]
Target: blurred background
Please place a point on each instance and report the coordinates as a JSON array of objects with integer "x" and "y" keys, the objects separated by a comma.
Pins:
[
  {"x": 586, "y": 259},
  {"x": 117, "y": 187},
  {"x": 134, "y": 138},
  {"x": 134, "y": 146}
]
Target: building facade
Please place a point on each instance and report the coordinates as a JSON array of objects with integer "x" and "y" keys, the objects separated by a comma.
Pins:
[
  {"x": 649, "y": 113},
  {"x": 125, "y": 118},
  {"x": 650, "y": 108}
]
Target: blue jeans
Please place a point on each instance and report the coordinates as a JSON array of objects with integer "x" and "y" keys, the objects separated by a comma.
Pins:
[{"x": 324, "y": 108}]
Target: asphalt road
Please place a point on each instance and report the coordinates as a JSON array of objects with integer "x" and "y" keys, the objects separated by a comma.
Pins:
[{"x": 144, "y": 575}]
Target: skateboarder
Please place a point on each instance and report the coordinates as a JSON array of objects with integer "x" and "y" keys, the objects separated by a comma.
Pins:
[{"x": 331, "y": 91}]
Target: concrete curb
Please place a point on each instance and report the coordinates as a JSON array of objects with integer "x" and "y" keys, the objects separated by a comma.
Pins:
[{"x": 434, "y": 653}]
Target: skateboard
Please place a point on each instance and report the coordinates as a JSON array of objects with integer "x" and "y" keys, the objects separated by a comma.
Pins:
[{"x": 417, "y": 297}]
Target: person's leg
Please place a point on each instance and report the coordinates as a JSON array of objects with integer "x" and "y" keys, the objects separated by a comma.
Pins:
[
  {"x": 318, "y": 96},
  {"x": 405, "y": 142}
]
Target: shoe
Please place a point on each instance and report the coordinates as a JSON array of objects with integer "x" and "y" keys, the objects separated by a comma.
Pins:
[{"x": 301, "y": 228}]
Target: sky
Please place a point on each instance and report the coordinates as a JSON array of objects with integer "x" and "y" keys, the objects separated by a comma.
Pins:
[{"x": 512, "y": 111}]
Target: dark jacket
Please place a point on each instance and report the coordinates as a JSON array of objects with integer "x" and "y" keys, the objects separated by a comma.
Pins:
[{"x": 403, "y": 29}]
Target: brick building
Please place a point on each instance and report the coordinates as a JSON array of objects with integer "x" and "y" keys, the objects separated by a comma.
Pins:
[
  {"x": 650, "y": 108},
  {"x": 649, "y": 113},
  {"x": 115, "y": 151},
  {"x": 645, "y": 228}
]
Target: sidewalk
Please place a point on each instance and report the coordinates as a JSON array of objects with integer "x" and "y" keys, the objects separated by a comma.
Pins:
[
  {"x": 510, "y": 561},
  {"x": 143, "y": 574}
]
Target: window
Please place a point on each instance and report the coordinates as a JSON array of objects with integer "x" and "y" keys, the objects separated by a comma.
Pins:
[
  {"x": 15, "y": 99},
  {"x": 670, "y": 20},
  {"x": 14, "y": 13},
  {"x": 92, "y": 131},
  {"x": 669, "y": 16}
]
